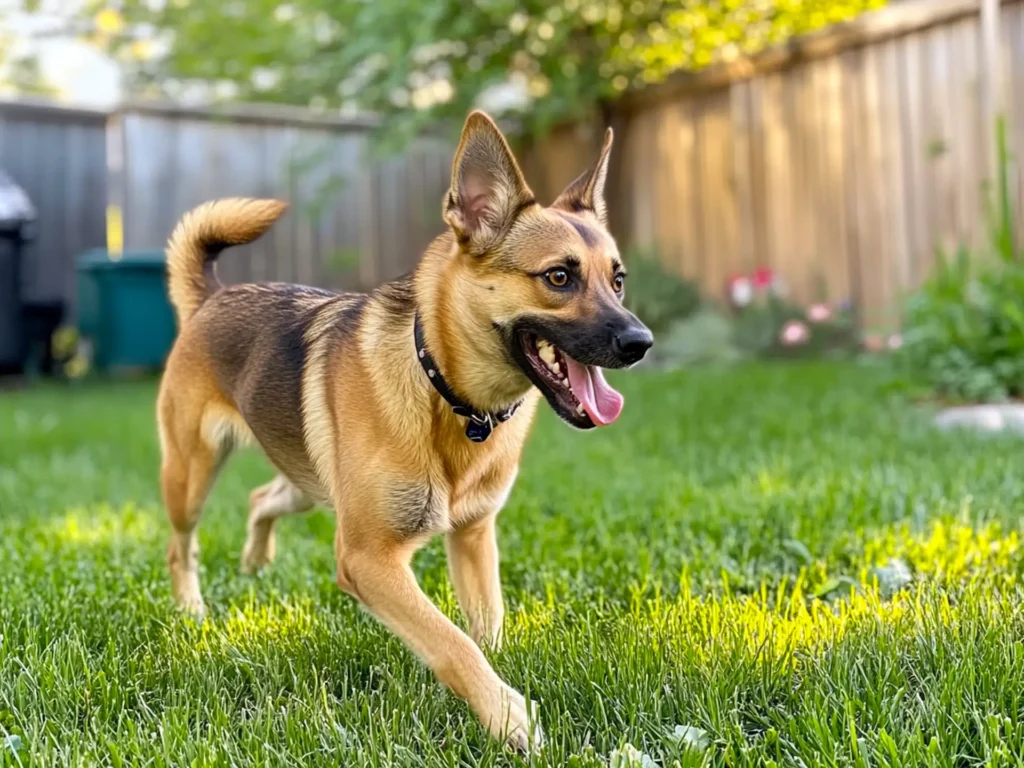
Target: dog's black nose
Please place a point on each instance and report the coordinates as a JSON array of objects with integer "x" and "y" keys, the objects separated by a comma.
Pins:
[{"x": 631, "y": 344}]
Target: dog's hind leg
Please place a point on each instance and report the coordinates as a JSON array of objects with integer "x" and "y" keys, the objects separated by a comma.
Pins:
[
  {"x": 191, "y": 461},
  {"x": 267, "y": 503}
]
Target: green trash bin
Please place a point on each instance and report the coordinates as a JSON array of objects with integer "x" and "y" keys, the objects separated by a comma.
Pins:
[{"x": 123, "y": 309}]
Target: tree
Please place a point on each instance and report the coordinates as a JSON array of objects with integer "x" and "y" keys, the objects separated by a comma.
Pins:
[
  {"x": 20, "y": 72},
  {"x": 414, "y": 63}
]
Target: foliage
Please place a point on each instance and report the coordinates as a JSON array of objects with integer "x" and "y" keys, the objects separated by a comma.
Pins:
[
  {"x": 420, "y": 62},
  {"x": 657, "y": 295},
  {"x": 760, "y": 323},
  {"x": 707, "y": 565},
  {"x": 24, "y": 77},
  {"x": 768, "y": 325},
  {"x": 20, "y": 72},
  {"x": 705, "y": 337},
  {"x": 779, "y": 328},
  {"x": 963, "y": 333},
  {"x": 964, "y": 328}
]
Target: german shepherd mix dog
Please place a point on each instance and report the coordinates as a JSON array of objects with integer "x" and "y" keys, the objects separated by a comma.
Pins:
[{"x": 406, "y": 409}]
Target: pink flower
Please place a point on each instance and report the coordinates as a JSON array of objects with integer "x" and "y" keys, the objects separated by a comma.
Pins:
[
  {"x": 895, "y": 341},
  {"x": 794, "y": 333},
  {"x": 740, "y": 291},
  {"x": 873, "y": 342},
  {"x": 763, "y": 277},
  {"x": 819, "y": 313}
]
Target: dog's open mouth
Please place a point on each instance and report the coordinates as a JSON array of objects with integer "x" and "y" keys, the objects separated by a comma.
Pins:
[{"x": 577, "y": 392}]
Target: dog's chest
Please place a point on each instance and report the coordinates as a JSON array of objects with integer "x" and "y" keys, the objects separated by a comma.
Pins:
[
  {"x": 448, "y": 499},
  {"x": 481, "y": 493}
]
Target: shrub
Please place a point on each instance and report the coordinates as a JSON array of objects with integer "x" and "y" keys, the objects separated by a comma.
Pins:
[
  {"x": 778, "y": 328},
  {"x": 963, "y": 336},
  {"x": 705, "y": 337},
  {"x": 767, "y": 325}
]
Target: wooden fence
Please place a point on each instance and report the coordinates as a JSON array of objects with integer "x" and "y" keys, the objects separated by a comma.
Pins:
[
  {"x": 843, "y": 160},
  {"x": 355, "y": 220},
  {"x": 57, "y": 155}
]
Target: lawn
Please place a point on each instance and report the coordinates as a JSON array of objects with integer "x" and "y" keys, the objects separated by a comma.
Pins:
[{"x": 709, "y": 561}]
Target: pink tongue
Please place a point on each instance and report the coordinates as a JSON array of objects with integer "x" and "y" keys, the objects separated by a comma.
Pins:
[{"x": 602, "y": 403}]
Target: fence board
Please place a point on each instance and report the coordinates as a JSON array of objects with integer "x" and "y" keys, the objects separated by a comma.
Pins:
[
  {"x": 913, "y": 149},
  {"x": 893, "y": 167},
  {"x": 1013, "y": 77},
  {"x": 720, "y": 219},
  {"x": 778, "y": 175}
]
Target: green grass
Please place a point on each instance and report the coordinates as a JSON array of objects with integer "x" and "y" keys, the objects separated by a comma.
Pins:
[{"x": 708, "y": 562}]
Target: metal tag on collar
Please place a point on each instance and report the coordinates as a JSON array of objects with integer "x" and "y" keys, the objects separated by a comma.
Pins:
[{"x": 478, "y": 429}]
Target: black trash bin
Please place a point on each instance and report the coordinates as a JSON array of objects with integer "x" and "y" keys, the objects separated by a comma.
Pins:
[{"x": 17, "y": 217}]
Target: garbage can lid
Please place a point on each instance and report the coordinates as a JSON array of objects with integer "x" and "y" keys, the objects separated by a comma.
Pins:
[
  {"x": 15, "y": 207},
  {"x": 98, "y": 259}
]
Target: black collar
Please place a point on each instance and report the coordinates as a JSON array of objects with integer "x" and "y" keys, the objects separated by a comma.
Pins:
[{"x": 480, "y": 424}]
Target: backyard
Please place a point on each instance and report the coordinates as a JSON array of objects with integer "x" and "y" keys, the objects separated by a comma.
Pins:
[{"x": 766, "y": 563}]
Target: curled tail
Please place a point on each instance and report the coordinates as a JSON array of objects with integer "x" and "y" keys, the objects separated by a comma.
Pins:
[{"x": 202, "y": 234}]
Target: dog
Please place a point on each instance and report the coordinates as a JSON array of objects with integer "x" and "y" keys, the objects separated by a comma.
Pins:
[{"x": 405, "y": 409}]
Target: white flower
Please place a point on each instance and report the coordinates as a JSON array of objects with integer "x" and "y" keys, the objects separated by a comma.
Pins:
[{"x": 741, "y": 292}]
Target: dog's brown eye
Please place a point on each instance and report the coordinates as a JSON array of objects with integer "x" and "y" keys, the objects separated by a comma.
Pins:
[
  {"x": 558, "y": 278},
  {"x": 618, "y": 283}
]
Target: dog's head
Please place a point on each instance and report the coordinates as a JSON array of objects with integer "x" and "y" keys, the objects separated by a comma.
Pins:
[{"x": 551, "y": 282}]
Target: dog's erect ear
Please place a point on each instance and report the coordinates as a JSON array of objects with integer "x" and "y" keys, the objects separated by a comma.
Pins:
[
  {"x": 488, "y": 190},
  {"x": 587, "y": 192}
]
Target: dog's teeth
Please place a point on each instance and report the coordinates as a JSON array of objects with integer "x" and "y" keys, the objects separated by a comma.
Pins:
[
  {"x": 579, "y": 409},
  {"x": 547, "y": 354},
  {"x": 556, "y": 368}
]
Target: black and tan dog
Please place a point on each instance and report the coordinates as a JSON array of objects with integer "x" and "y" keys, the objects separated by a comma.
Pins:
[{"x": 406, "y": 409}]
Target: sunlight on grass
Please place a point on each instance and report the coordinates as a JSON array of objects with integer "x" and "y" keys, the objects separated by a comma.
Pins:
[
  {"x": 955, "y": 576},
  {"x": 949, "y": 550},
  {"x": 100, "y": 525},
  {"x": 784, "y": 628},
  {"x": 534, "y": 615},
  {"x": 257, "y": 626},
  {"x": 773, "y": 483}
]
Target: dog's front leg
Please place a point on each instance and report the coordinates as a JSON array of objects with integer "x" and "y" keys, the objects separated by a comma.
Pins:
[
  {"x": 473, "y": 563},
  {"x": 378, "y": 574}
]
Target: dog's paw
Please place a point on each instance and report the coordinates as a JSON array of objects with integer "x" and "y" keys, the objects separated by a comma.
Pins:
[
  {"x": 187, "y": 595},
  {"x": 257, "y": 553},
  {"x": 192, "y": 605},
  {"x": 510, "y": 718}
]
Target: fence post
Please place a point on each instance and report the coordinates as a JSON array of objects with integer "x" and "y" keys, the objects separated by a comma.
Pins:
[{"x": 990, "y": 86}]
